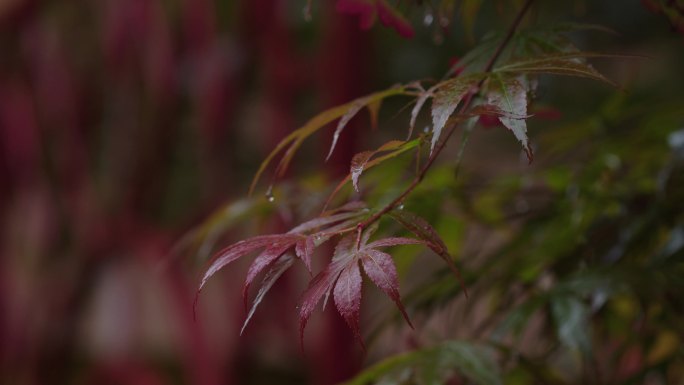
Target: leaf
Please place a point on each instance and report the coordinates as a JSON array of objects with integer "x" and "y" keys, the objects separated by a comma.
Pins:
[
  {"x": 266, "y": 259},
  {"x": 510, "y": 95},
  {"x": 420, "y": 101},
  {"x": 371, "y": 163},
  {"x": 394, "y": 241},
  {"x": 304, "y": 250},
  {"x": 559, "y": 64},
  {"x": 360, "y": 160},
  {"x": 271, "y": 277},
  {"x": 356, "y": 106},
  {"x": 381, "y": 270},
  {"x": 235, "y": 251},
  {"x": 424, "y": 231},
  {"x": 291, "y": 143},
  {"x": 322, "y": 284},
  {"x": 347, "y": 296},
  {"x": 323, "y": 221},
  {"x": 445, "y": 100},
  {"x": 342, "y": 276}
]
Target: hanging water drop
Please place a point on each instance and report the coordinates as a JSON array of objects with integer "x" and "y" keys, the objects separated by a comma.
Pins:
[
  {"x": 269, "y": 194},
  {"x": 400, "y": 207}
]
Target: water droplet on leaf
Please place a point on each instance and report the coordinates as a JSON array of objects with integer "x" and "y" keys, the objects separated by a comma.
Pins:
[{"x": 269, "y": 194}]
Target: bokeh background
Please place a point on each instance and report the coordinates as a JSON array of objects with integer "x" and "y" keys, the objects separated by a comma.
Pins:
[{"x": 126, "y": 124}]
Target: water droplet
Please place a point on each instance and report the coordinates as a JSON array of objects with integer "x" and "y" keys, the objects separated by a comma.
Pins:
[
  {"x": 400, "y": 207},
  {"x": 428, "y": 18},
  {"x": 269, "y": 194}
]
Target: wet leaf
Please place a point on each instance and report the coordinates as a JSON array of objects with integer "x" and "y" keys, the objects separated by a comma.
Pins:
[
  {"x": 380, "y": 268},
  {"x": 342, "y": 278},
  {"x": 420, "y": 101},
  {"x": 356, "y": 106},
  {"x": 235, "y": 251},
  {"x": 360, "y": 160},
  {"x": 266, "y": 259},
  {"x": 424, "y": 231},
  {"x": 374, "y": 162},
  {"x": 510, "y": 95},
  {"x": 570, "y": 64},
  {"x": 304, "y": 250},
  {"x": 447, "y": 96},
  {"x": 347, "y": 296},
  {"x": 271, "y": 277}
]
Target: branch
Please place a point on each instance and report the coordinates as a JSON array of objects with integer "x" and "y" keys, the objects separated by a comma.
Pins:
[{"x": 452, "y": 128}]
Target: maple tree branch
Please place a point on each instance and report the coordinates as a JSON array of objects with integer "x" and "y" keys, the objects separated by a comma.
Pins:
[{"x": 452, "y": 128}]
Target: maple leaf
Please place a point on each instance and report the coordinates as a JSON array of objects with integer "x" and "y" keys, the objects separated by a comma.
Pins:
[
  {"x": 424, "y": 231},
  {"x": 447, "y": 96},
  {"x": 510, "y": 95},
  {"x": 342, "y": 277},
  {"x": 276, "y": 256}
]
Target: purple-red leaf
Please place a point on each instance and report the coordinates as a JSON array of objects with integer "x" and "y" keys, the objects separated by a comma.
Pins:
[
  {"x": 235, "y": 251},
  {"x": 360, "y": 160},
  {"x": 273, "y": 274},
  {"x": 381, "y": 270},
  {"x": 265, "y": 259},
  {"x": 347, "y": 295},
  {"x": 393, "y": 241},
  {"x": 304, "y": 250},
  {"x": 323, "y": 221},
  {"x": 319, "y": 286},
  {"x": 423, "y": 230}
]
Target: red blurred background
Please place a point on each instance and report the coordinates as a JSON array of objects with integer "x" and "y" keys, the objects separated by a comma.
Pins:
[{"x": 123, "y": 123}]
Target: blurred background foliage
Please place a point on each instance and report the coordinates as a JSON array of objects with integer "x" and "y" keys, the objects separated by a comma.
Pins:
[{"x": 129, "y": 131}]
